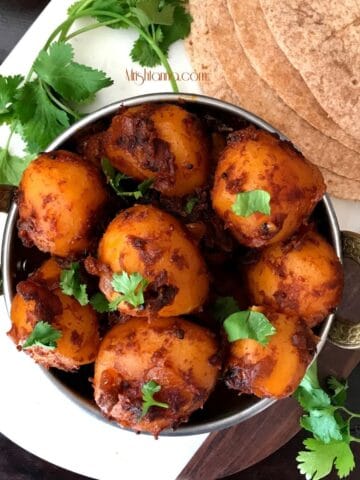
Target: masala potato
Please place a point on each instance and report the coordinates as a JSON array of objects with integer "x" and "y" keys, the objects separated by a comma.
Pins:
[
  {"x": 39, "y": 298},
  {"x": 163, "y": 142},
  {"x": 146, "y": 240},
  {"x": 302, "y": 277},
  {"x": 257, "y": 160},
  {"x": 276, "y": 369},
  {"x": 61, "y": 199},
  {"x": 181, "y": 357}
]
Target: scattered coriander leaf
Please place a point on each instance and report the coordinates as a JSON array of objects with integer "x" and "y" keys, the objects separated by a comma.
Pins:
[
  {"x": 144, "y": 186},
  {"x": 43, "y": 335},
  {"x": 247, "y": 203},
  {"x": 130, "y": 286},
  {"x": 148, "y": 390},
  {"x": 8, "y": 89},
  {"x": 249, "y": 324},
  {"x": 41, "y": 120},
  {"x": 71, "y": 285},
  {"x": 12, "y": 167},
  {"x": 190, "y": 204},
  {"x": 322, "y": 424},
  {"x": 339, "y": 389},
  {"x": 99, "y": 303},
  {"x": 71, "y": 80},
  {"x": 115, "y": 178},
  {"x": 317, "y": 460},
  {"x": 224, "y": 307}
]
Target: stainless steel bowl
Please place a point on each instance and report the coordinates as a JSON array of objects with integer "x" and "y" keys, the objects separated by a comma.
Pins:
[{"x": 224, "y": 408}]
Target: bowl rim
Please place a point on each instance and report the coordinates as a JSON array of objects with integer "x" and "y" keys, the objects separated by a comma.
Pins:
[{"x": 184, "y": 429}]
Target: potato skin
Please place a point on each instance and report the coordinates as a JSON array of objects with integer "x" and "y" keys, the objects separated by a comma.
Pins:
[
  {"x": 180, "y": 356},
  {"x": 163, "y": 142},
  {"x": 255, "y": 159},
  {"x": 61, "y": 198},
  {"x": 302, "y": 277},
  {"x": 276, "y": 369},
  {"x": 40, "y": 298},
  {"x": 153, "y": 243}
]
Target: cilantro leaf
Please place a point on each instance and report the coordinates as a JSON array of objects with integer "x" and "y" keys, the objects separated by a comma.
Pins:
[
  {"x": 71, "y": 285},
  {"x": 339, "y": 389},
  {"x": 12, "y": 167},
  {"x": 71, "y": 80},
  {"x": 41, "y": 120},
  {"x": 247, "y": 203},
  {"x": 154, "y": 12},
  {"x": 249, "y": 324},
  {"x": 99, "y": 303},
  {"x": 8, "y": 89},
  {"x": 190, "y": 204},
  {"x": 322, "y": 424},
  {"x": 43, "y": 335},
  {"x": 224, "y": 307},
  {"x": 309, "y": 393},
  {"x": 317, "y": 461},
  {"x": 144, "y": 54},
  {"x": 131, "y": 287},
  {"x": 148, "y": 390},
  {"x": 179, "y": 29}
]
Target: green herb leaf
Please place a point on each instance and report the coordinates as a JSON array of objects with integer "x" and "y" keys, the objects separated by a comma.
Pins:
[
  {"x": 43, "y": 335},
  {"x": 190, "y": 204},
  {"x": 179, "y": 29},
  {"x": 309, "y": 393},
  {"x": 12, "y": 167},
  {"x": 99, "y": 303},
  {"x": 73, "y": 81},
  {"x": 339, "y": 389},
  {"x": 249, "y": 324},
  {"x": 317, "y": 460},
  {"x": 224, "y": 307},
  {"x": 322, "y": 424},
  {"x": 8, "y": 89},
  {"x": 247, "y": 203},
  {"x": 41, "y": 120},
  {"x": 148, "y": 390},
  {"x": 130, "y": 286},
  {"x": 144, "y": 54},
  {"x": 154, "y": 12},
  {"x": 70, "y": 284}
]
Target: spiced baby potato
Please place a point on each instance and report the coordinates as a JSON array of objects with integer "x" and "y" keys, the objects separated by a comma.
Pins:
[
  {"x": 276, "y": 369},
  {"x": 180, "y": 356},
  {"x": 257, "y": 160},
  {"x": 39, "y": 298},
  {"x": 163, "y": 142},
  {"x": 146, "y": 240},
  {"x": 61, "y": 198},
  {"x": 302, "y": 276}
]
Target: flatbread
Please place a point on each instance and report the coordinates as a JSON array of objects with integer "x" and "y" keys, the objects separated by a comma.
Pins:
[
  {"x": 272, "y": 65},
  {"x": 256, "y": 96},
  {"x": 203, "y": 59},
  {"x": 322, "y": 40}
]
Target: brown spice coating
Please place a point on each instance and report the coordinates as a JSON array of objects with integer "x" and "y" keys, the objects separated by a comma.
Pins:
[
  {"x": 178, "y": 355},
  {"x": 255, "y": 159}
]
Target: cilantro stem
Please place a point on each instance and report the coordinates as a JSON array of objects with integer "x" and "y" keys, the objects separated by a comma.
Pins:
[
  {"x": 355, "y": 439},
  {"x": 59, "y": 103},
  {"x": 350, "y": 413},
  {"x": 88, "y": 28}
]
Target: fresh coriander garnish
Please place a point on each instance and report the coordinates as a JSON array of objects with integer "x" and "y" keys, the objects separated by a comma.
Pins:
[
  {"x": 248, "y": 324},
  {"x": 247, "y": 203},
  {"x": 327, "y": 418},
  {"x": 115, "y": 180},
  {"x": 131, "y": 287},
  {"x": 70, "y": 284},
  {"x": 99, "y": 303},
  {"x": 224, "y": 307},
  {"x": 43, "y": 335},
  {"x": 44, "y": 103},
  {"x": 190, "y": 204},
  {"x": 148, "y": 390}
]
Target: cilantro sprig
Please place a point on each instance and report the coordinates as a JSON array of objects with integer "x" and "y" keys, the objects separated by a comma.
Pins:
[
  {"x": 70, "y": 284},
  {"x": 148, "y": 390},
  {"x": 327, "y": 418},
  {"x": 115, "y": 180},
  {"x": 43, "y": 335},
  {"x": 131, "y": 288},
  {"x": 46, "y": 102},
  {"x": 247, "y": 203}
]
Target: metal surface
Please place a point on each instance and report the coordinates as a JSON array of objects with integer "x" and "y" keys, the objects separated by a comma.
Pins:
[{"x": 225, "y": 418}]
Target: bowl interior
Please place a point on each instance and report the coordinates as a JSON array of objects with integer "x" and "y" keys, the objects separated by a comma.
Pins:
[{"x": 224, "y": 407}]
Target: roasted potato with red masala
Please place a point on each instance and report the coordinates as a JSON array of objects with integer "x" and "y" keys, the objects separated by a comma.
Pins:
[
  {"x": 180, "y": 357},
  {"x": 163, "y": 142},
  {"x": 145, "y": 240},
  {"x": 301, "y": 277},
  {"x": 39, "y": 298},
  {"x": 257, "y": 160},
  {"x": 276, "y": 369},
  {"x": 60, "y": 199}
]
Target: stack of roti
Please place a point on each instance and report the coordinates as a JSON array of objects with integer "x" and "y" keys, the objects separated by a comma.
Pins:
[{"x": 296, "y": 64}]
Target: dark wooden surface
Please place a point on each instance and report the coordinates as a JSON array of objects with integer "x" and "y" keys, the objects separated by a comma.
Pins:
[{"x": 223, "y": 453}]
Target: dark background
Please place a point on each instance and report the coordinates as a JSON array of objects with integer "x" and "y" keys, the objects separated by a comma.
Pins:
[{"x": 17, "y": 464}]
